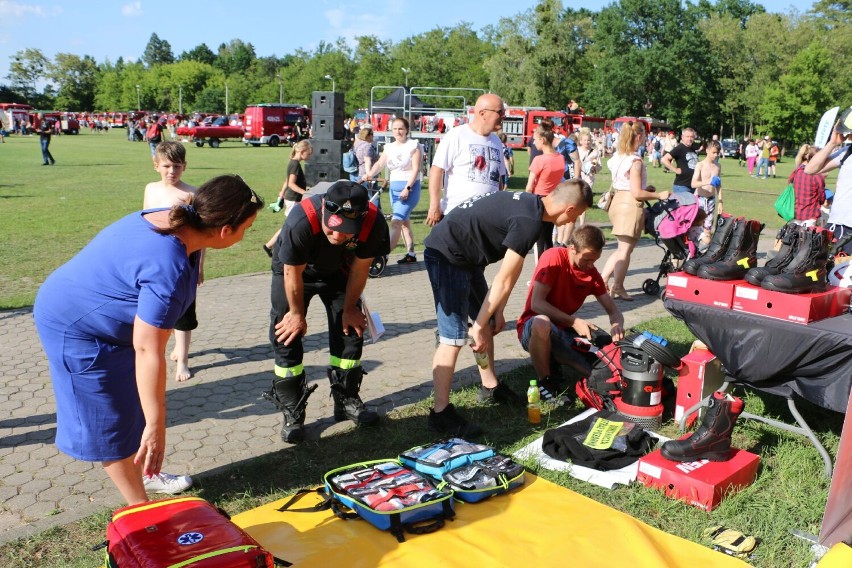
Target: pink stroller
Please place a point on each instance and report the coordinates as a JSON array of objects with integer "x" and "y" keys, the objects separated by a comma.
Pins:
[{"x": 668, "y": 221}]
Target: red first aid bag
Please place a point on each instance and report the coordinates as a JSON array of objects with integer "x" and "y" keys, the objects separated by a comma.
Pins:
[{"x": 183, "y": 531}]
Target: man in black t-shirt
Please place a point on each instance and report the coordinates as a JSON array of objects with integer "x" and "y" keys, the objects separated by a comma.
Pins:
[
  {"x": 478, "y": 232},
  {"x": 44, "y": 131},
  {"x": 325, "y": 248},
  {"x": 685, "y": 158}
]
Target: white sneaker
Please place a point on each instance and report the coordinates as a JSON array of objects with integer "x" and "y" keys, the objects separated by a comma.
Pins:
[{"x": 167, "y": 483}]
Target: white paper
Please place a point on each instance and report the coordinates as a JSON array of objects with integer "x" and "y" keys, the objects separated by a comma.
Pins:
[{"x": 374, "y": 321}]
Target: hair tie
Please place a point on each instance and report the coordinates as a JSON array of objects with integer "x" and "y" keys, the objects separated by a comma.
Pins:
[{"x": 192, "y": 214}]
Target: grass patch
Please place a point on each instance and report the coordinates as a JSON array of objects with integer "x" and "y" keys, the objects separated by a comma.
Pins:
[{"x": 789, "y": 492}]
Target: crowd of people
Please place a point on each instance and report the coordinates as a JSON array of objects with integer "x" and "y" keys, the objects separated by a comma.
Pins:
[{"x": 105, "y": 317}]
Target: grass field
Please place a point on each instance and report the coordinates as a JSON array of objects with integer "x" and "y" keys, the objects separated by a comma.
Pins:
[{"x": 48, "y": 213}]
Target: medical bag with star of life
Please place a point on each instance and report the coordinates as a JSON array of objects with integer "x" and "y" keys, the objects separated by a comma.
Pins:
[{"x": 181, "y": 531}]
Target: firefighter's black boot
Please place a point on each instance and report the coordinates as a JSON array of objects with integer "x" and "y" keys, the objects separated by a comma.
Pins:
[
  {"x": 290, "y": 396},
  {"x": 740, "y": 256},
  {"x": 712, "y": 440},
  {"x": 806, "y": 272},
  {"x": 345, "y": 386},
  {"x": 718, "y": 246},
  {"x": 790, "y": 236}
]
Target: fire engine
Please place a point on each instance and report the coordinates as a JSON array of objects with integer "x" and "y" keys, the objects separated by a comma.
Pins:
[
  {"x": 14, "y": 112},
  {"x": 520, "y": 123},
  {"x": 274, "y": 123}
]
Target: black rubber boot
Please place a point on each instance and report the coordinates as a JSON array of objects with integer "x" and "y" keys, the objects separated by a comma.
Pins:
[
  {"x": 345, "y": 386},
  {"x": 712, "y": 440},
  {"x": 290, "y": 396},
  {"x": 718, "y": 246},
  {"x": 790, "y": 236},
  {"x": 740, "y": 256},
  {"x": 807, "y": 271}
]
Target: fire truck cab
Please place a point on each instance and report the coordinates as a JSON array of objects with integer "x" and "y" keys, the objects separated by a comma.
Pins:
[{"x": 274, "y": 123}]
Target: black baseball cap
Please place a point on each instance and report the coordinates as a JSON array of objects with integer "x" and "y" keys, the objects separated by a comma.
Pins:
[{"x": 344, "y": 207}]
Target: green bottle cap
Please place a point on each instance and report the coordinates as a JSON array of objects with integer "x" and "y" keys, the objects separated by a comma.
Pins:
[{"x": 533, "y": 383}]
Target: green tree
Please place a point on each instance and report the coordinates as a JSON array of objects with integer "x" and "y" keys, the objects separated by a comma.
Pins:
[
  {"x": 76, "y": 78},
  {"x": 235, "y": 56},
  {"x": 27, "y": 67},
  {"x": 792, "y": 106},
  {"x": 200, "y": 53},
  {"x": 157, "y": 52}
]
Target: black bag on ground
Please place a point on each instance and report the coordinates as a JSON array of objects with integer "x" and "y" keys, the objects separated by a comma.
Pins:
[{"x": 566, "y": 443}]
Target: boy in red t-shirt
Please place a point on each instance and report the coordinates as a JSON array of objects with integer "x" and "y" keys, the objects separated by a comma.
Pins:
[{"x": 563, "y": 278}]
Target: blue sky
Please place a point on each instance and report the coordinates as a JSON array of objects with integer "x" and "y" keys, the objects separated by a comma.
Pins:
[{"x": 106, "y": 29}]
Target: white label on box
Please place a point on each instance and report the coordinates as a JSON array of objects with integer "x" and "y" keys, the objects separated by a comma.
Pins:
[
  {"x": 747, "y": 293},
  {"x": 679, "y": 281},
  {"x": 649, "y": 469}
]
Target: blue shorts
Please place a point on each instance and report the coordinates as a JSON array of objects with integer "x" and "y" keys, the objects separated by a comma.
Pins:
[
  {"x": 561, "y": 347},
  {"x": 459, "y": 294},
  {"x": 402, "y": 209}
]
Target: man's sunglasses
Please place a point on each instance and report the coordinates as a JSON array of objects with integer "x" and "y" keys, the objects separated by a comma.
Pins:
[{"x": 347, "y": 212}]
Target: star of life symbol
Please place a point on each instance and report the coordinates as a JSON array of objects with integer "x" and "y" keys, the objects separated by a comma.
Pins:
[{"x": 190, "y": 538}]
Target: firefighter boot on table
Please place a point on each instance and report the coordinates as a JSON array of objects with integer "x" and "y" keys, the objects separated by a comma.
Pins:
[
  {"x": 791, "y": 236},
  {"x": 718, "y": 245},
  {"x": 740, "y": 256},
  {"x": 712, "y": 440},
  {"x": 345, "y": 389},
  {"x": 806, "y": 272}
]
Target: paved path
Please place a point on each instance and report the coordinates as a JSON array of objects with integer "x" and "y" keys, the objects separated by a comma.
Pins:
[{"x": 218, "y": 418}]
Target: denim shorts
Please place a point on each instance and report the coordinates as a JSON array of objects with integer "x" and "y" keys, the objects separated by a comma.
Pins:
[
  {"x": 561, "y": 347},
  {"x": 458, "y": 293}
]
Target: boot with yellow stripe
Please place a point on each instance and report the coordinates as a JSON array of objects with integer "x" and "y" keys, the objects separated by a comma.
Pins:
[
  {"x": 290, "y": 396},
  {"x": 807, "y": 271},
  {"x": 740, "y": 256}
]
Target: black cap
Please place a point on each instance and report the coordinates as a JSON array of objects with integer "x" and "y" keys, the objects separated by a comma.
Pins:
[{"x": 346, "y": 203}]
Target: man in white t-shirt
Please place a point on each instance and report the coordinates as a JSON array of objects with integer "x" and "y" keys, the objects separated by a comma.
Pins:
[{"x": 470, "y": 156}]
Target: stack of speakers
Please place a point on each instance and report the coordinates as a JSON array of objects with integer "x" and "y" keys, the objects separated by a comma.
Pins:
[{"x": 326, "y": 163}]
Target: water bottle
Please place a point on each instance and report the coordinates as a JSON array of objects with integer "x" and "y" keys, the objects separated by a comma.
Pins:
[
  {"x": 533, "y": 403},
  {"x": 481, "y": 358}
]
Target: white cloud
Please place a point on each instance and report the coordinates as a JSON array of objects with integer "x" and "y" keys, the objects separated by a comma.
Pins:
[
  {"x": 335, "y": 17},
  {"x": 132, "y": 10},
  {"x": 16, "y": 10}
]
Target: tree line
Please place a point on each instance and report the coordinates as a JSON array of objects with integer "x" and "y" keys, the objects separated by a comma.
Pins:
[{"x": 726, "y": 67}]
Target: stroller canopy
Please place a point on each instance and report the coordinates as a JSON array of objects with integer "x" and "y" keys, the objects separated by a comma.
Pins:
[{"x": 671, "y": 217}]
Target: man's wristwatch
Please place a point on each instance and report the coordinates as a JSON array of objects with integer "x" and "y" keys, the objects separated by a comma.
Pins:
[{"x": 407, "y": 188}]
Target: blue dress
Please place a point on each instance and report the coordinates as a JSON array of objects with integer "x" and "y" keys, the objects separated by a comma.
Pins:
[{"x": 84, "y": 315}]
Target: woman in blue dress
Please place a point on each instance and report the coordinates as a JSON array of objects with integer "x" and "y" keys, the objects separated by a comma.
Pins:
[{"x": 104, "y": 319}]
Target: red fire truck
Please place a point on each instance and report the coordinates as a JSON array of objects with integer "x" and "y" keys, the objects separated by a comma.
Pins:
[
  {"x": 520, "y": 123},
  {"x": 274, "y": 123}
]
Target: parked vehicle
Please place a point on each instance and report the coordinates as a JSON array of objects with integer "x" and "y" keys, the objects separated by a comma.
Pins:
[
  {"x": 213, "y": 132},
  {"x": 730, "y": 148},
  {"x": 520, "y": 123},
  {"x": 274, "y": 123}
]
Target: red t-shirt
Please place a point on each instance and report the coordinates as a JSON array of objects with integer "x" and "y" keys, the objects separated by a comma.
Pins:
[
  {"x": 569, "y": 286},
  {"x": 548, "y": 169}
]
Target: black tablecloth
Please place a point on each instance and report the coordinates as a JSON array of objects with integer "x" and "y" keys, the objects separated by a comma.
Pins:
[{"x": 813, "y": 361}]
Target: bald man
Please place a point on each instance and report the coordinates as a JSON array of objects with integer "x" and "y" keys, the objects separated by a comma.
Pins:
[{"x": 469, "y": 158}]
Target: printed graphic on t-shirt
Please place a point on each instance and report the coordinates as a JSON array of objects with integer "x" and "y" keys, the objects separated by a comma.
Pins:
[
  {"x": 691, "y": 160},
  {"x": 485, "y": 164}
]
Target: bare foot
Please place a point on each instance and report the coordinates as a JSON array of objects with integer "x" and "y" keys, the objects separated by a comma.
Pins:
[
  {"x": 182, "y": 373},
  {"x": 621, "y": 294}
]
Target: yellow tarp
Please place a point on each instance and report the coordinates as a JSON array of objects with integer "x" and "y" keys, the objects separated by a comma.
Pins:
[
  {"x": 537, "y": 524},
  {"x": 839, "y": 556}
]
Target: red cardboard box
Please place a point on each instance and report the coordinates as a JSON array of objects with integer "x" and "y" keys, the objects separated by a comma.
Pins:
[
  {"x": 699, "y": 376},
  {"x": 796, "y": 308},
  {"x": 700, "y": 483},
  {"x": 683, "y": 286}
]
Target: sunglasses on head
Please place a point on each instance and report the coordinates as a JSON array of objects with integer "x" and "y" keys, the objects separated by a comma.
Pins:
[{"x": 347, "y": 211}]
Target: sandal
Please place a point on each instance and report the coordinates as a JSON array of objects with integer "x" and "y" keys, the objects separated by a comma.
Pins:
[{"x": 267, "y": 250}]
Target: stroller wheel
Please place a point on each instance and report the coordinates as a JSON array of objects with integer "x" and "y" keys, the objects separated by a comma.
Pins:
[
  {"x": 378, "y": 266},
  {"x": 651, "y": 287}
]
